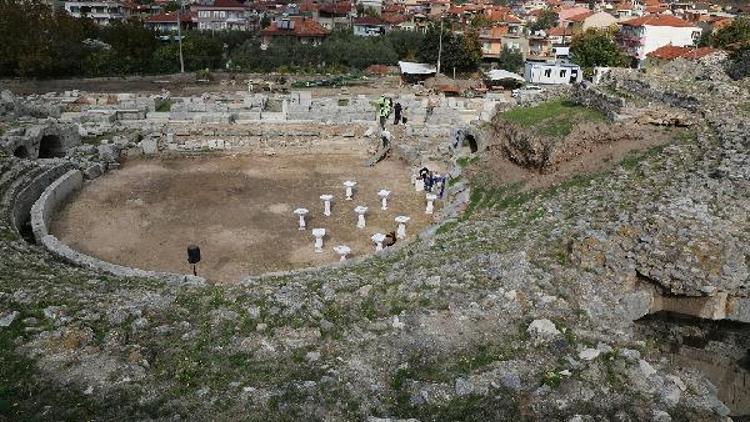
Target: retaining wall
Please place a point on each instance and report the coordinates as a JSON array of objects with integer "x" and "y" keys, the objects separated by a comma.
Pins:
[
  {"x": 50, "y": 200},
  {"x": 26, "y": 196}
]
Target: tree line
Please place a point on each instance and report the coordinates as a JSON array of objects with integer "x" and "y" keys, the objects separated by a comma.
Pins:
[{"x": 38, "y": 41}]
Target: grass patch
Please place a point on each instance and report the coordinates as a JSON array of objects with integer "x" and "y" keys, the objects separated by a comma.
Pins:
[
  {"x": 165, "y": 106},
  {"x": 466, "y": 161},
  {"x": 434, "y": 368},
  {"x": 553, "y": 118},
  {"x": 634, "y": 158},
  {"x": 430, "y": 368},
  {"x": 453, "y": 181},
  {"x": 508, "y": 196},
  {"x": 23, "y": 388},
  {"x": 446, "y": 227}
]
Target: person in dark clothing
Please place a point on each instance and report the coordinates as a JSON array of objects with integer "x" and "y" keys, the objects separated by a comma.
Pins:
[
  {"x": 429, "y": 181},
  {"x": 397, "y": 113},
  {"x": 390, "y": 239},
  {"x": 423, "y": 173}
]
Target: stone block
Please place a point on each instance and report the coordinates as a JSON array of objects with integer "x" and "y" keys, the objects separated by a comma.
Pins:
[
  {"x": 150, "y": 145},
  {"x": 93, "y": 171}
]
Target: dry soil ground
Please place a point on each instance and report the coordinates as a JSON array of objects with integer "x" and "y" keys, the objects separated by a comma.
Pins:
[
  {"x": 238, "y": 209},
  {"x": 587, "y": 160},
  {"x": 186, "y": 85}
]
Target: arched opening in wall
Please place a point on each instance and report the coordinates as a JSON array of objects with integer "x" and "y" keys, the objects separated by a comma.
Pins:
[
  {"x": 50, "y": 147},
  {"x": 471, "y": 142},
  {"x": 21, "y": 152},
  {"x": 26, "y": 232}
]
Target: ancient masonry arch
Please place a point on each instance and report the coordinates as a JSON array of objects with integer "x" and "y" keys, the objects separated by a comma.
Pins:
[
  {"x": 51, "y": 146},
  {"x": 41, "y": 141},
  {"x": 468, "y": 140},
  {"x": 21, "y": 152}
]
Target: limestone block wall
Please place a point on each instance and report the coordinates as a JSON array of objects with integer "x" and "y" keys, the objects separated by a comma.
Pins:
[
  {"x": 50, "y": 200},
  {"x": 301, "y": 106},
  {"x": 592, "y": 96},
  {"x": 30, "y": 192},
  {"x": 30, "y": 138}
]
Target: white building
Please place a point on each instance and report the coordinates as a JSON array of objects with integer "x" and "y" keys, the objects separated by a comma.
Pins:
[
  {"x": 374, "y": 5},
  {"x": 369, "y": 26},
  {"x": 220, "y": 15},
  {"x": 643, "y": 35},
  {"x": 101, "y": 12},
  {"x": 558, "y": 73}
]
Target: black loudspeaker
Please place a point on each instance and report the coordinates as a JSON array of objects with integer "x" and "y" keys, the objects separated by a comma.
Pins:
[{"x": 194, "y": 254}]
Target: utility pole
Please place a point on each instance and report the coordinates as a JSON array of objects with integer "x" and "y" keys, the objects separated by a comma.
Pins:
[
  {"x": 179, "y": 37},
  {"x": 440, "y": 45}
]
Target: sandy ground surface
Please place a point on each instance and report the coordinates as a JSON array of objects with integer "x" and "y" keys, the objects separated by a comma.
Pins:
[{"x": 239, "y": 210}]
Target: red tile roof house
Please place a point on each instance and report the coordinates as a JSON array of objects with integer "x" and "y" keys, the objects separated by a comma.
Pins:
[
  {"x": 167, "y": 22},
  {"x": 369, "y": 26},
  {"x": 333, "y": 15},
  {"x": 218, "y": 15},
  {"x": 643, "y": 35},
  {"x": 303, "y": 29},
  {"x": 560, "y": 35},
  {"x": 671, "y": 52},
  {"x": 501, "y": 15}
]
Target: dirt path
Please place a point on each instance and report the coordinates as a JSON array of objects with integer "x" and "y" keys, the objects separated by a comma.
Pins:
[
  {"x": 187, "y": 85},
  {"x": 237, "y": 209}
]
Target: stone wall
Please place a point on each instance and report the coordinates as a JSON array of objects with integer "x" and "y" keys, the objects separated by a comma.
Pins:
[
  {"x": 30, "y": 192},
  {"x": 593, "y": 97},
  {"x": 50, "y": 200},
  {"x": 301, "y": 106},
  {"x": 26, "y": 141},
  {"x": 621, "y": 80},
  {"x": 48, "y": 203}
]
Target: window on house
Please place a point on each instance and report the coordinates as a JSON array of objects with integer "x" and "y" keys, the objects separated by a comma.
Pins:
[
  {"x": 547, "y": 73},
  {"x": 562, "y": 73}
]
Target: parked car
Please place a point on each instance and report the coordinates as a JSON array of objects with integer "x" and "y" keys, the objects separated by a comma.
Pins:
[{"x": 528, "y": 89}]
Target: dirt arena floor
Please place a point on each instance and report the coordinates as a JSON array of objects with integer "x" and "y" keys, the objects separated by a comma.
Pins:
[{"x": 238, "y": 209}]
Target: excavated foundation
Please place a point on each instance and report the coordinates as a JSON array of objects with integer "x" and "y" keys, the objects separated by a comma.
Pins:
[{"x": 718, "y": 349}]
